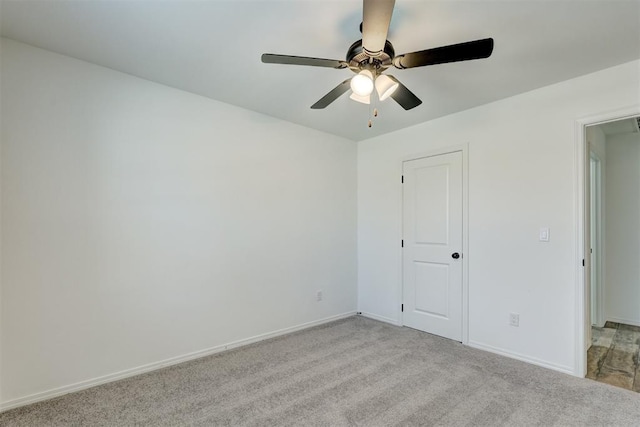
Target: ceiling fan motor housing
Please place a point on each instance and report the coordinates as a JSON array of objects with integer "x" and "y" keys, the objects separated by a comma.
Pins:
[{"x": 359, "y": 59}]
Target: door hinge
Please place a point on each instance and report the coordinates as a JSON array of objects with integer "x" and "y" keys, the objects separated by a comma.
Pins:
[
  {"x": 583, "y": 262},
  {"x": 402, "y": 243},
  {"x": 402, "y": 179},
  {"x": 402, "y": 308}
]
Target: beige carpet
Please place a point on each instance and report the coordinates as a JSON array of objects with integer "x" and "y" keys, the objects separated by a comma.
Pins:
[{"x": 350, "y": 372}]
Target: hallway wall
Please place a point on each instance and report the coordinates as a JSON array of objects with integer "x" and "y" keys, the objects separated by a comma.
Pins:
[{"x": 622, "y": 280}]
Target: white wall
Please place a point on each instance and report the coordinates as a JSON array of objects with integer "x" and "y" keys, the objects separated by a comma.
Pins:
[
  {"x": 142, "y": 223},
  {"x": 1, "y": 311},
  {"x": 623, "y": 228},
  {"x": 522, "y": 175},
  {"x": 597, "y": 141}
]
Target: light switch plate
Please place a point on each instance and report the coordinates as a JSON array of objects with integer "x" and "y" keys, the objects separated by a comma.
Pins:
[{"x": 544, "y": 234}]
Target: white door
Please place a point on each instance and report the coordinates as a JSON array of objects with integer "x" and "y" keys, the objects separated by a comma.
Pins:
[{"x": 432, "y": 244}]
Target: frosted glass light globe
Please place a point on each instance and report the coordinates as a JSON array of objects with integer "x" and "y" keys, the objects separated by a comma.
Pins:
[
  {"x": 362, "y": 83},
  {"x": 385, "y": 86},
  {"x": 363, "y": 99}
]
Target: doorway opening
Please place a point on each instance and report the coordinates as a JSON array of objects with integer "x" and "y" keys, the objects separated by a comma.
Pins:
[{"x": 612, "y": 251}]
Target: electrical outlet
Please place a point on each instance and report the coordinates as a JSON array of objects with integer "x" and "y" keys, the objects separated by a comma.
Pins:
[
  {"x": 514, "y": 319},
  {"x": 319, "y": 296}
]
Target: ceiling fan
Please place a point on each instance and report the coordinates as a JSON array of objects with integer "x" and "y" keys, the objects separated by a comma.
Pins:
[{"x": 371, "y": 56}]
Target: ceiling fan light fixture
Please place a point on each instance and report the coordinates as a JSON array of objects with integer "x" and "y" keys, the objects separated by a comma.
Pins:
[
  {"x": 364, "y": 99},
  {"x": 373, "y": 54},
  {"x": 362, "y": 83},
  {"x": 385, "y": 86}
]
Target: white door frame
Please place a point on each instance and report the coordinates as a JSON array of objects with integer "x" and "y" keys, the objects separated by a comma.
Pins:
[
  {"x": 583, "y": 315},
  {"x": 597, "y": 297},
  {"x": 464, "y": 148}
]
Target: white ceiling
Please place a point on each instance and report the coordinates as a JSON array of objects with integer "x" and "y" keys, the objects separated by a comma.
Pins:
[{"x": 213, "y": 48}]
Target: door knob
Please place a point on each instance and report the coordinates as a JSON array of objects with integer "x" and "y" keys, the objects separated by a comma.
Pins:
[{"x": 455, "y": 255}]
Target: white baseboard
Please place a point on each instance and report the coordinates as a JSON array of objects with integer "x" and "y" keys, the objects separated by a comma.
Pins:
[
  {"x": 381, "y": 318},
  {"x": 534, "y": 361},
  {"x": 489, "y": 348},
  {"x": 59, "y": 391},
  {"x": 625, "y": 321}
]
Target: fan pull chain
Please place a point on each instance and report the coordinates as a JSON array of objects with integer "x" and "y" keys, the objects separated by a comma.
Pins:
[{"x": 375, "y": 110}]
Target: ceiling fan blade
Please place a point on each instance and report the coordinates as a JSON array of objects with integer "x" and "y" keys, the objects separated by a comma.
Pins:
[
  {"x": 333, "y": 95},
  {"x": 476, "y": 49},
  {"x": 376, "y": 16},
  {"x": 271, "y": 58},
  {"x": 404, "y": 96}
]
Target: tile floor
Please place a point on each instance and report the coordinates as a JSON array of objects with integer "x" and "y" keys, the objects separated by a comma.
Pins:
[{"x": 613, "y": 356}]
